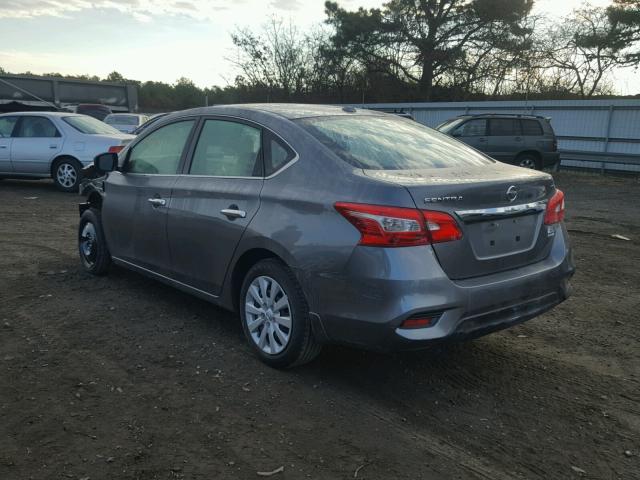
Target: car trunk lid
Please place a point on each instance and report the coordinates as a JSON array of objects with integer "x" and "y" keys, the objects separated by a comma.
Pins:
[{"x": 499, "y": 208}]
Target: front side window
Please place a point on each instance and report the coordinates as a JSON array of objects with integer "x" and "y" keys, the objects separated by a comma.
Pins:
[
  {"x": 473, "y": 128},
  {"x": 161, "y": 151},
  {"x": 390, "y": 143},
  {"x": 227, "y": 149},
  {"x": 7, "y": 125},
  {"x": 505, "y": 127},
  {"x": 37, "y": 127}
]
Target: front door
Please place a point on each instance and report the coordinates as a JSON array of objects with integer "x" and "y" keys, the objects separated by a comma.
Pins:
[
  {"x": 7, "y": 125},
  {"x": 138, "y": 199},
  {"x": 35, "y": 144},
  {"x": 474, "y": 133},
  {"x": 214, "y": 201}
]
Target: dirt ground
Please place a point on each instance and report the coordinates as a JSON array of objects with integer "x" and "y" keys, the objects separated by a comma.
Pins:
[{"x": 122, "y": 377}]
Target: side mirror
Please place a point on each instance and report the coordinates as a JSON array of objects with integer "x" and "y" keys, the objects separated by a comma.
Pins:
[
  {"x": 106, "y": 162},
  {"x": 457, "y": 133}
]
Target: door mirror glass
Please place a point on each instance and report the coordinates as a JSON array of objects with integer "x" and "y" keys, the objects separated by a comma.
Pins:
[{"x": 106, "y": 162}]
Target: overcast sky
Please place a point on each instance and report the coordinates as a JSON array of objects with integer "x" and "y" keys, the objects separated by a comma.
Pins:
[{"x": 163, "y": 39}]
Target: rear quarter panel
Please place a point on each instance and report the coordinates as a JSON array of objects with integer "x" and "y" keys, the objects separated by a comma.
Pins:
[{"x": 297, "y": 220}]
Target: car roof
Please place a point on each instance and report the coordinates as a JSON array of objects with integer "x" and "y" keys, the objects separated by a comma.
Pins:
[
  {"x": 45, "y": 114},
  {"x": 500, "y": 115},
  {"x": 290, "y": 111}
]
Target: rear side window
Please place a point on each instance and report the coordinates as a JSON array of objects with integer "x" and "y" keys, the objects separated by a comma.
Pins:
[
  {"x": 505, "y": 127},
  {"x": 227, "y": 149},
  {"x": 389, "y": 143},
  {"x": 277, "y": 155},
  {"x": 531, "y": 128},
  {"x": 473, "y": 128},
  {"x": 7, "y": 125},
  {"x": 161, "y": 151},
  {"x": 37, "y": 127}
]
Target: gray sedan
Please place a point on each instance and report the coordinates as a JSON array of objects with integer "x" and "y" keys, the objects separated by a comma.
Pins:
[
  {"x": 330, "y": 225},
  {"x": 52, "y": 144}
]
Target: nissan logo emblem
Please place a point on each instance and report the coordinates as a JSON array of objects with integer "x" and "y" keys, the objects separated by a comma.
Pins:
[{"x": 512, "y": 193}]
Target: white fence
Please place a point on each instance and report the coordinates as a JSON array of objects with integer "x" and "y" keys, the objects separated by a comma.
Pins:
[{"x": 602, "y": 134}]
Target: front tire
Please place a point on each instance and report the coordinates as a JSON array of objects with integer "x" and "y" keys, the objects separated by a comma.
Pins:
[
  {"x": 94, "y": 254},
  {"x": 66, "y": 174},
  {"x": 275, "y": 316}
]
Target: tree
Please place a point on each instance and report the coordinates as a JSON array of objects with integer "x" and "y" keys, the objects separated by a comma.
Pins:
[
  {"x": 275, "y": 59},
  {"x": 418, "y": 41},
  {"x": 586, "y": 47},
  {"x": 624, "y": 15},
  {"x": 115, "y": 77}
]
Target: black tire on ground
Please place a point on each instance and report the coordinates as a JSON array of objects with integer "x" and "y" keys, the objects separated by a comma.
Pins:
[
  {"x": 529, "y": 160},
  {"x": 66, "y": 173},
  {"x": 94, "y": 254},
  {"x": 302, "y": 347}
]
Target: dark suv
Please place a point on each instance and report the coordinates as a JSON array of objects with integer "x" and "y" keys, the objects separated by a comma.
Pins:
[{"x": 524, "y": 140}]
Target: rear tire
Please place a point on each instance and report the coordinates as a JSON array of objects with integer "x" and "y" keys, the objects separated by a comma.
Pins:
[
  {"x": 94, "y": 254},
  {"x": 66, "y": 173},
  {"x": 275, "y": 316},
  {"x": 529, "y": 160}
]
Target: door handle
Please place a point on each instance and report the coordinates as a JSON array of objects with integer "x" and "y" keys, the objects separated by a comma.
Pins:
[
  {"x": 233, "y": 212},
  {"x": 53, "y": 146},
  {"x": 482, "y": 140},
  {"x": 3, "y": 146},
  {"x": 157, "y": 202}
]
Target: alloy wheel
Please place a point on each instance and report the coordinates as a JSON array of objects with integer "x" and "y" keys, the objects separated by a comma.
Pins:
[
  {"x": 268, "y": 315},
  {"x": 88, "y": 244},
  {"x": 66, "y": 175}
]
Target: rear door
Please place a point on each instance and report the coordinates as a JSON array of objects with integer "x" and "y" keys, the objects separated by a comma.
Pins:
[
  {"x": 138, "y": 199},
  {"x": 7, "y": 126},
  {"x": 534, "y": 136},
  {"x": 505, "y": 139},
  {"x": 36, "y": 143},
  {"x": 214, "y": 201},
  {"x": 474, "y": 133}
]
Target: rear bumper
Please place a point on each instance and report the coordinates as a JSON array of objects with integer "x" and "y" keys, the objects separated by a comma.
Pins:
[{"x": 383, "y": 287}]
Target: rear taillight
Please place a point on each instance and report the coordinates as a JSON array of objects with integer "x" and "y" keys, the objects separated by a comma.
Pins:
[
  {"x": 441, "y": 227},
  {"x": 555, "y": 144},
  {"x": 116, "y": 148},
  {"x": 555, "y": 209},
  {"x": 382, "y": 226}
]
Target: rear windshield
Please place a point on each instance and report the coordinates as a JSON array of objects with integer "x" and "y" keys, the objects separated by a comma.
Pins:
[
  {"x": 90, "y": 125},
  {"x": 121, "y": 120},
  {"x": 390, "y": 143}
]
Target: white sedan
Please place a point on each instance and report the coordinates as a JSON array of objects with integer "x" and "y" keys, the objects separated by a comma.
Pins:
[
  {"x": 54, "y": 144},
  {"x": 126, "y": 122}
]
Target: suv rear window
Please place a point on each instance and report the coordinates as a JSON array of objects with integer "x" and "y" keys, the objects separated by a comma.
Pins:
[
  {"x": 531, "y": 128},
  {"x": 389, "y": 143}
]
